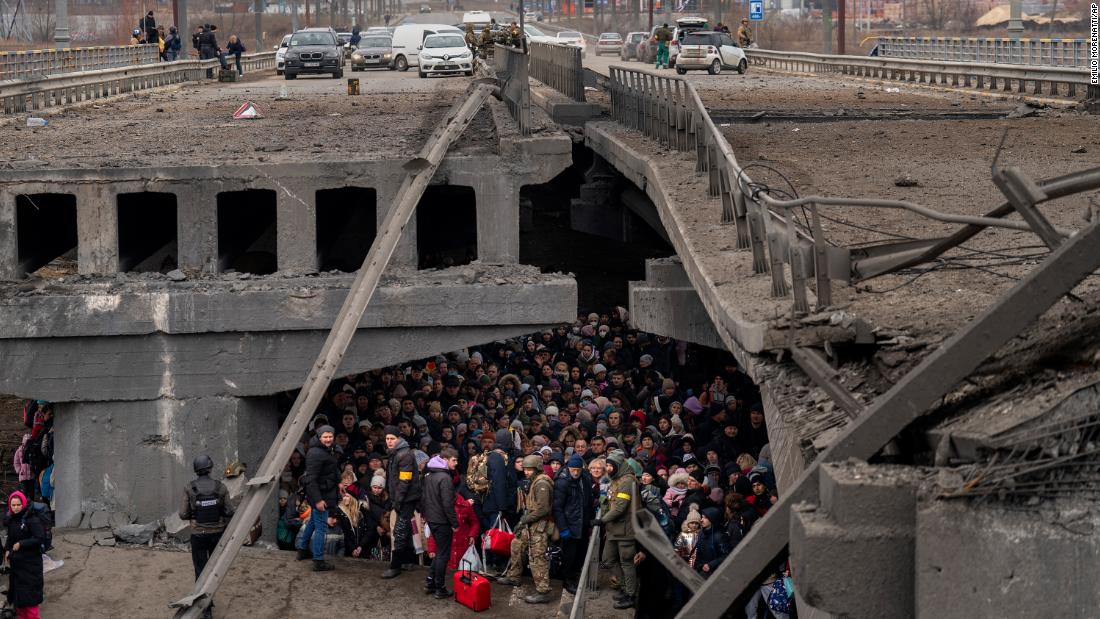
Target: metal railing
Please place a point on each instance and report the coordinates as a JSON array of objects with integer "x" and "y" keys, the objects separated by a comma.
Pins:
[
  {"x": 559, "y": 67},
  {"x": 42, "y": 62},
  {"x": 590, "y": 574},
  {"x": 18, "y": 96},
  {"x": 1038, "y": 52},
  {"x": 1064, "y": 82},
  {"x": 668, "y": 109},
  {"x": 510, "y": 65}
]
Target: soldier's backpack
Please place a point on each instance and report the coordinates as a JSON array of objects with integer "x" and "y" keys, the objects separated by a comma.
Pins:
[
  {"x": 477, "y": 473},
  {"x": 42, "y": 512}
]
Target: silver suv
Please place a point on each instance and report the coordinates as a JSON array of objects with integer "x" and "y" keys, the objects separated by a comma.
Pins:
[{"x": 314, "y": 50}]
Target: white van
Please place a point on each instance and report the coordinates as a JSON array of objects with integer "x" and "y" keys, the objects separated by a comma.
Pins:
[
  {"x": 479, "y": 19},
  {"x": 407, "y": 39}
]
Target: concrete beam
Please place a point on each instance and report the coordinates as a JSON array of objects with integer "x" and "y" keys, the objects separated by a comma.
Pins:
[
  {"x": 196, "y": 225},
  {"x": 414, "y": 300},
  {"x": 9, "y": 241},
  {"x": 96, "y": 229},
  {"x": 135, "y": 457},
  {"x": 296, "y": 217},
  {"x": 665, "y": 303}
]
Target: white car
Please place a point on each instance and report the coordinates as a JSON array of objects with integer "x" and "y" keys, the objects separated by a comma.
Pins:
[
  {"x": 534, "y": 35},
  {"x": 409, "y": 38},
  {"x": 710, "y": 51},
  {"x": 445, "y": 54},
  {"x": 609, "y": 43},
  {"x": 280, "y": 55},
  {"x": 572, "y": 37}
]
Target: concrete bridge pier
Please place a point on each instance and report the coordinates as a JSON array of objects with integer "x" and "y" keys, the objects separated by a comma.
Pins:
[{"x": 136, "y": 456}]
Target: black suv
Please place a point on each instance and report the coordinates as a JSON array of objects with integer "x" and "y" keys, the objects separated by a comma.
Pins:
[{"x": 314, "y": 50}]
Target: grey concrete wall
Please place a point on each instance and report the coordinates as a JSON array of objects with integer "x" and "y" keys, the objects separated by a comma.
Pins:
[
  {"x": 200, "y": 365},
  {"x": 136, "y": 457},
  {"x": 985, "y": 561},
  {"x": 666, "y": 303},
  {"x": 853, "y": 551},
  {"x": 496, "y": 179}
]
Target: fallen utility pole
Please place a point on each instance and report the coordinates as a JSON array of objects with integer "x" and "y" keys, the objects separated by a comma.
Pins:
[
  {"x": 890, "y": 413},
  {"x": 419, "y": 172}
]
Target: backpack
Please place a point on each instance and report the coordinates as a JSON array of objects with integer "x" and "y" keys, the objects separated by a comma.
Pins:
[
  {"x": 653, "y": 503},
  {"x": 42, "y": 512},
  {"x": 477, "y": 472},
  {"x": 781, "y": 598}
]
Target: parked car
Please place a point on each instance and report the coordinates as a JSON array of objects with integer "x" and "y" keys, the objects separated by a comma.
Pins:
[
  {"x": 529, "y": 16},
  {"x": 609, "y": 43},
  {"x": 314, "y": 50},
  {"x": 408, "y": 38},
  {"x": 572, "y": 37},
  {"x": 629, "y": 48},
  {"x": 445, "y": 54},
  {"x": 375, "y": 51},
  {"x": 647, "y": 50},
  {"x": 280, "y": 54},
  {"x": 424, "y": 8},
  {"x": 479, "y": 19},
  {"x": 712, "y": 51}
]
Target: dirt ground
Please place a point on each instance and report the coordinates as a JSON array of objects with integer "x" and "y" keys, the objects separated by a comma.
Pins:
[
  {"x": 261, "y": 584},
  {"x": 194, "y": 125}
]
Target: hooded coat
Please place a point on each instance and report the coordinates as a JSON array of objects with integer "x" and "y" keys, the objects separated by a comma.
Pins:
[
  {"x": 437, "y": 505},
  {"x": 502, "y": 477},
  {"x": 573, "y": 503},
  {"x": 25, "y": 580},
  {"x": 619, "y": 519}
]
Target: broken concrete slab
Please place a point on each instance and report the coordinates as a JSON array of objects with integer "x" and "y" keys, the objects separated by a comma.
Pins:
[
  {"x": 177, "y": 528},
  {"x": 80, "y": 538},
  {"x": 119, "y": 519},
  {"x": 136, "y": 533},
  {"x": 99, "y": 520},
  {"x": 235, "y": 486}
]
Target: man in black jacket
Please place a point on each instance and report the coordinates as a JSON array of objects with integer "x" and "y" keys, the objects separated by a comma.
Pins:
[
  {"x": 438, "y": 508},
  {"x": 206, "y": 506},
  {"x": 322, "y": 481},
  {"x": 403, "y": 478},
  {"x": 573, "y": 515}
]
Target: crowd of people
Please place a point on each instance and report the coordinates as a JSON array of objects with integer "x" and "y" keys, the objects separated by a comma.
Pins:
[
  {"x": 552, "y": 438},
  {"x": 204, "y": 42}
]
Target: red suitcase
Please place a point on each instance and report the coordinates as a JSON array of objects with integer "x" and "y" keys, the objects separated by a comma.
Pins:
[{"x": 472, "y": 590}]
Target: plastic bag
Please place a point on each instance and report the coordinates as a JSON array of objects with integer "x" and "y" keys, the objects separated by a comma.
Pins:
[{"x": 472, "y": 560}]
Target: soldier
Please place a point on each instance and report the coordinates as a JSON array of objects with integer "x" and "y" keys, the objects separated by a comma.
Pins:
[
  {"x": 471, "y": 39},
  {"x": 618, "y": 526},
  {"x": 486, "y": 42},
  {"x": 533, "y": 534},
  {"x": 206, "y": 505},
  {"x": 744, "y": 34},
  {"x": 516, "y": 35},
  {"x": 663, "y": 37}
]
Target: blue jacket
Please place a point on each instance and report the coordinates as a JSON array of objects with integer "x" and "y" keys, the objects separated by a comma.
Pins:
[{"x": 502, "y": 486}]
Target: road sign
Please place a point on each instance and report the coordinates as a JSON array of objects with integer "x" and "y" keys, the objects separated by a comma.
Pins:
[
  {"x": 756, "y": 10},
  {"x": 248, "y": 110}
]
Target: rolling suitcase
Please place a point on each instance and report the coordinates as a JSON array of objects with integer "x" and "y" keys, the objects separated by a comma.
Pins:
[{"x": 472, "y": 590}]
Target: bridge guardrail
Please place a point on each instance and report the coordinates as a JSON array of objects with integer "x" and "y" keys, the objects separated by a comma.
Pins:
[
  {"x": 41, "y": 62},
  {"x": 559, "y": 67},
  {"x": 36, "y": 94},
  {"x": 511, "y": 69},
  {"x": 1037, "y": 52},
  {"x": 1066, "y": 82}
]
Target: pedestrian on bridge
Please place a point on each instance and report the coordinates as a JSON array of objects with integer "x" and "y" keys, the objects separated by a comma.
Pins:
[
  {"x": 663, "y": 36},
  {"x": 172, "y": 44},
  {"x": 236, "y": 48},
  {"x": 744, "y": 34}
]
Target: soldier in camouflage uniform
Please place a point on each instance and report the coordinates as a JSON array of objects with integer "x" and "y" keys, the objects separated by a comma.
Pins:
[
  {"x": 487, "y": 42},
  {"x": 534, "y": 532},
  {"x": 618, "y": 525}
]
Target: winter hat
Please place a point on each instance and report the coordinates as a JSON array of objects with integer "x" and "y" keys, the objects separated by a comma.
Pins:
[
  {"x": 325, "y": 428},
  {"x": 378, "y": 481},
  {"x": 392, "y": 430},
  {"x": 575, "y": 462},
  {"x": 599, "y": 367},
  {"x": 697, "y": 475},
  {"x": 713, "y": 515},
  {"x": 551, "y": 410},
  {"x": 419, "y": 421},
  {"x": 645, "y": 360},
  {"x": 678, "y": 478},
  {"x": 420, "y": 456}
]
